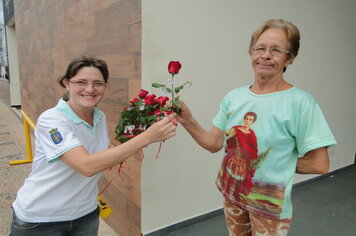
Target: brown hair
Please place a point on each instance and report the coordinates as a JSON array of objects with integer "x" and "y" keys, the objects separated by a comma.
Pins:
[
  {"x": 79, "y": 63},
  {"x": 251, "y": 113},
  {"x": 289, "y": 28}
]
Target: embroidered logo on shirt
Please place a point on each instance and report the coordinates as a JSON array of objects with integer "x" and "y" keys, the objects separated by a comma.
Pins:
[{"x": 56, "y": 136}]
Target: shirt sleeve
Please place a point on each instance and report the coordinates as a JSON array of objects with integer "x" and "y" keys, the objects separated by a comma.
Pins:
[
  {"x": 221, "y": 118},
  {"x": 55, "y": 136},
  {"x": 313, "y": 130}
]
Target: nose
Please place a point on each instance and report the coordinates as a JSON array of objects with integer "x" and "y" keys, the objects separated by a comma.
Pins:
[
  {"x": 89, "y": 87},
  {"x": 267, "y": 53}
]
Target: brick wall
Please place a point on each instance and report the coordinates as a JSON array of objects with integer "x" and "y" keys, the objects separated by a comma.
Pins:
[{"x": 49, "y": 35}]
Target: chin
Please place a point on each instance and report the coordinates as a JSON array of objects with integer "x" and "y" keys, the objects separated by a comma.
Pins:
[
  {"x": 263, "y": 74},
  {"x": 89, "y": 104}
]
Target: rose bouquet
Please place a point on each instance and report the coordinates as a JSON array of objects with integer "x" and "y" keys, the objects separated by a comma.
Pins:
[
  {"x": 146, "y": 109},
  {"x": 143, "y": 111}
]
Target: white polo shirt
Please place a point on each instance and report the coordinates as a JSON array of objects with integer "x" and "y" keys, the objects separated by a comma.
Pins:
[{"x": 54, "y": 191}]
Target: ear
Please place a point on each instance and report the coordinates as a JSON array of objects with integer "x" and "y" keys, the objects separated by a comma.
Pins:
[
  {"x": 290, "y": 60},
  {"x": 66, "y": 83}
]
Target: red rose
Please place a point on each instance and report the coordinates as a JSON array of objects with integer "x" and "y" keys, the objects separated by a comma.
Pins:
[
  {"x": 143, "y": 93},
  {"x": 150, "y": 99},
  {"x": 134, "y": 100},
  {"x": 162, "y": 100},
  {"x": 158, "y": 113},
  {"x": 174, "y": 67},
  {"x": 124, "y": 109}
]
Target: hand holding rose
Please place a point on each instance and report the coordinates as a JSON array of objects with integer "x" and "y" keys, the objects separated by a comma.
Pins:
[
  {"x": 162, "y": 130},
  {"x": 185, "y": 115}
]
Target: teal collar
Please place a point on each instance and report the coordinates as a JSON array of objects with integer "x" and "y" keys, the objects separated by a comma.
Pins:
[{"x": 64, "y": 108}]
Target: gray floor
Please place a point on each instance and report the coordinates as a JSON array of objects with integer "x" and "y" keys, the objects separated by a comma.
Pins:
[{"x": 326, "y": 207}]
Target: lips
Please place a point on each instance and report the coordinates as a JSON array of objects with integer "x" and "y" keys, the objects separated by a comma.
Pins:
[
  {"x": 263, "y": 64},
  {"x": 91, "y": 98}
]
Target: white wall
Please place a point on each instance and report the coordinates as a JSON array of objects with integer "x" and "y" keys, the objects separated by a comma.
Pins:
[
  {"x": 211, "y": 38},
  {"x": 15, "y": 93}
]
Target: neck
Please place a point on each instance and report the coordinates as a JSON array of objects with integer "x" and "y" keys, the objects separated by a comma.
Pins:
[
  {"x": 85, "y": 114},
  {"x": 269, "y": 85}
]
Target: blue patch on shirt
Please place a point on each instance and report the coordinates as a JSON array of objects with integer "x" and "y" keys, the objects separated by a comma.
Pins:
[{"x": 56, "y": 136}]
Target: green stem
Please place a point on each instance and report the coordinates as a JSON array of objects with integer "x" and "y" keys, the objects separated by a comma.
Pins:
[{"x": 172, "y": 86}]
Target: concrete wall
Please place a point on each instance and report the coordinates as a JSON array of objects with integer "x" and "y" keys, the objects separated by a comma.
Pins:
[
  {"x": 15, "y": 93},
  {"x": 49, "y": 35},
  {"x": 211, "y": 40}
]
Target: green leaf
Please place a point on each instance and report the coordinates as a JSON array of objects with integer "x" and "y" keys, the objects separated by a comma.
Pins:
[
  {"x": 142, "y": 120},
  {"x": 166, "y": 90},
  {"x": 175, "y": 102},
  {"x": 122, "y": 139},
  {"x": 157, "y": 85},
  {"x": 177, "y": 89}
]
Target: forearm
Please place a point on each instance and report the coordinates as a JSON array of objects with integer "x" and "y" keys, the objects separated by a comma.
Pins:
[
  {"x": 314, "y": 162},
  {"x": 116, "y": 155},
  {"x": 90, "y": 164},
  {"x": 211, "y": 141}
]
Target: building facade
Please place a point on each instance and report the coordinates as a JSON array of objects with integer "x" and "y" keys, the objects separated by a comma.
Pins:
[{"x": 49, "y": 34}]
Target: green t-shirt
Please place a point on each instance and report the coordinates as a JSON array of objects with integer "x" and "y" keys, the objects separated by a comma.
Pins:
[{"x": 266, "y": 134}]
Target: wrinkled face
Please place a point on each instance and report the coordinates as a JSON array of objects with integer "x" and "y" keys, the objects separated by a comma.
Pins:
[
  {"x": 265, "y": 64},
  {"x": 249, "y": 121},
  {"x": 86, "y": 88}
]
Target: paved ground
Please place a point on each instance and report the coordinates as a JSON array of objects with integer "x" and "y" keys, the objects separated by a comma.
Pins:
[{"x": 12, "y": 147}]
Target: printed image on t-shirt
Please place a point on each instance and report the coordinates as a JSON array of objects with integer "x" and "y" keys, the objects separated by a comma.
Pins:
[{"x": 236, "y": 176}]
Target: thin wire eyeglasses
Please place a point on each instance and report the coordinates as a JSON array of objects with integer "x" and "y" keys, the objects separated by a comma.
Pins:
[
  {"x": 84, "y": 84},
  {"x": 275, "y": 52}
]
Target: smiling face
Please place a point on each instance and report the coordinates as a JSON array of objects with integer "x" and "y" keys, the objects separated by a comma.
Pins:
[
  {"x": 265, "y": 65},
  {"x": 86, "y": 89}
]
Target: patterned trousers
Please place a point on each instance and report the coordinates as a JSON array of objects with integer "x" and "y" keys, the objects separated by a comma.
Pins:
[{"x": 244, "y": 223}]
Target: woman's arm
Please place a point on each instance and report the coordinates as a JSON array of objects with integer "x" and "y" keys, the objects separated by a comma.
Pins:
[
  {"x": 314, "y": 162},
  {"x": 90, "y": 164},
  {"x": 210, "y": 140}
]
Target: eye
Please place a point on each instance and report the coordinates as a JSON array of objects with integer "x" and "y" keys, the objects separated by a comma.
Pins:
[
  {"x": 81, "y": 83},
  {"x": 260, "y": 49},
  {"x": 98, "y": 84},
  {"x": 276, "y": 50}
]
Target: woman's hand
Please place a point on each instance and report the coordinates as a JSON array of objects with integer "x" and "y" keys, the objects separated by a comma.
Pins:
[
  {"x": 185, "y": 115},
  {"x": 162, "y": 130}
]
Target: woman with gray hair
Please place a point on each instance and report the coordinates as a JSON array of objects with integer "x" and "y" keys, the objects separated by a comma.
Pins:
[{"x": 273, "y": 130}]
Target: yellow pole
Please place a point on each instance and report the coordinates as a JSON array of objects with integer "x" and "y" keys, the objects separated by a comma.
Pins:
[
  {"x": 30, "y": 122},
  {"x": 27, "y": 122}
]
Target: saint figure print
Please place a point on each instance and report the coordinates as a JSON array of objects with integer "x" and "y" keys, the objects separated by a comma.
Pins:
[{"x": 241, "y": 161}]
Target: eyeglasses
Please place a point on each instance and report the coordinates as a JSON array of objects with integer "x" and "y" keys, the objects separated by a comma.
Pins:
[
  {"x": 275, "y": 52},
  {"x": 84, "y": 84}
]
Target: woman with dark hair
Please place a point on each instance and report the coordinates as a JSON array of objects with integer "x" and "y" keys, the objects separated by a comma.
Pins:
[
  {"x": 256, "y": 182},
  {"x": 61, "y": 193}
]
